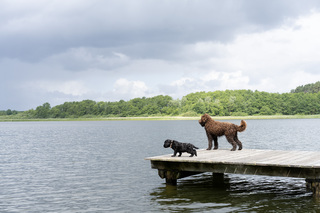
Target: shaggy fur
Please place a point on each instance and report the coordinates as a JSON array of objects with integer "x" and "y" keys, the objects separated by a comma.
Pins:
[
  {"x": 215, "y": 129},
  {"x": 180, "y": 147}
]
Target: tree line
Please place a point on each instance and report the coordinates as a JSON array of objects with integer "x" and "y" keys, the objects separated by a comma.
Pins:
[
  {"x": 219, "y": 103},
  {"x": 304, "y": 100},
  {"x": 308, "y": 88}
]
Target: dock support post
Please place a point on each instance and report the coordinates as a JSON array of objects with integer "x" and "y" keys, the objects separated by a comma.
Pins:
[
  {"x": 218, "y": 179},
  {"x": 170, "y": 176},
  {"x": 314, "y": 186}
]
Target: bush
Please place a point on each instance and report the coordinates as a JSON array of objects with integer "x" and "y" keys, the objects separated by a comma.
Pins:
[
  {"x": 189, "y": 114},
  {"x": 239, "y": 114}
]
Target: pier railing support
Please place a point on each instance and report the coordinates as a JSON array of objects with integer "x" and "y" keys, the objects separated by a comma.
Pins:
[{"x": 314, "y": 186}]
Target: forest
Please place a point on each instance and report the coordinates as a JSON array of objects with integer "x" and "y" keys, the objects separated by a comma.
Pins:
[{"x": 304, "y": 100}]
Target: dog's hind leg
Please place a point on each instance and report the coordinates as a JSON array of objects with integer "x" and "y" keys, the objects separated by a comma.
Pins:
[
  {"x": 215, "y": 139},
  {"x": 192, "y": 152},
  {"x": 238, "y": 142},
  {"x": 232, "y": 142}
]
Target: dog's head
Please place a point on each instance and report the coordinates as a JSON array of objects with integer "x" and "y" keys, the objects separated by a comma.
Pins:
[
  {"x": 204, "y": 118},
  {"x": 167, "y": 143}
]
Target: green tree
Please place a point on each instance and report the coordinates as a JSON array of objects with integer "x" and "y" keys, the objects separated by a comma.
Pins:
[{"x": 43, "y": 111}]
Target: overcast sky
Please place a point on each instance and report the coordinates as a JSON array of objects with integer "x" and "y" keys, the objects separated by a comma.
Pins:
[{"x": 107, "y": 50}]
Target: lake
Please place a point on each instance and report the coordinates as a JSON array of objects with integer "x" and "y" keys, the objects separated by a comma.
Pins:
[{"x": 99, "y": 166}]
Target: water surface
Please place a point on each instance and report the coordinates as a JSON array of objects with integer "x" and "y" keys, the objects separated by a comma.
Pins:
[{"x": 99, "y": 166}]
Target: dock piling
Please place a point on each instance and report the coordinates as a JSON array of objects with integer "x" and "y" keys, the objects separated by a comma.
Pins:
[
  {"x": 314, "y": 186},
  {"x": 172, "y": 176}
]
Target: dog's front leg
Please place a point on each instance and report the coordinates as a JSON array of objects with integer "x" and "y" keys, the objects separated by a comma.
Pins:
[
  {"x": 209, "y": 141},
  {"x": 174, "y": 154}
]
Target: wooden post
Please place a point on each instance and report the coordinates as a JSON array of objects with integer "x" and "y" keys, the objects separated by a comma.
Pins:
[
  {"x": 170, "y": 176},
  {"x": 314, "y": 186},
  {"x": 218, "y": 179}
]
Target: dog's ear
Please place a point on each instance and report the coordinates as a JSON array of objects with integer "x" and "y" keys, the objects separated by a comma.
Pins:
[{"x": 204, "y": 117}]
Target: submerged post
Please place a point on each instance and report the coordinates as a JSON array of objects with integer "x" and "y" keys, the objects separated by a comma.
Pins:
[
  {"x": 172, "y": 176},
  {"x": 314, "y": 186},
  {"x": 218, "y": 179}
]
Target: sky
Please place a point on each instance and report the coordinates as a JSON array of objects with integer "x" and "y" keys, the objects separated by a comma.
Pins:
[{"x": 109, "y": 50}]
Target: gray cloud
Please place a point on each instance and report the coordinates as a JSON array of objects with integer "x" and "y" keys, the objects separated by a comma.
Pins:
[
  {"x": 89, "y": 58},
  {"x": 35, "y": 32},
  {"x": 56, "y": 51}
]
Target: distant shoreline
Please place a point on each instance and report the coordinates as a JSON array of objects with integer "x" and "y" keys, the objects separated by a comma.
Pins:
[{"x": 258, "y": 117}]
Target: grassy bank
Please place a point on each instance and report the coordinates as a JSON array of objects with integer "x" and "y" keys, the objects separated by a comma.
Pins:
[{"x": 17, "y": 119}]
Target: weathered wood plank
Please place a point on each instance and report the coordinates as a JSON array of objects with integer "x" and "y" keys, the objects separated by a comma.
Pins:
[{"x": 301, "y": 159}]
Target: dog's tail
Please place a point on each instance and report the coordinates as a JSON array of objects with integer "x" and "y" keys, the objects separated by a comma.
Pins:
[{"x": 242, "y": 127}]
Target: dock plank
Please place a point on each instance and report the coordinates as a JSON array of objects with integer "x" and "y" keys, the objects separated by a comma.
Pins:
[{"x": 249, "y": 157}]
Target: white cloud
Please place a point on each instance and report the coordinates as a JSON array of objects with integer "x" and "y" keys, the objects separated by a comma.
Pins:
[
  {"x": 278, "y": 49},
  {"x": 208, "y": 82},
  {"x": 301, "y": 78},
  {"x": 268, "y": 60},
  {"x": 129, "y": 89},
  {"x": 211, "y": 76},
  {"x": 182, "y": 82},
  {"x": 74, "y": 88}
]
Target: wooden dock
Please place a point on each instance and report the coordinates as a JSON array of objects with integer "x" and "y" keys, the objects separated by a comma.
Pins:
[{"x": 301, "y": 164}]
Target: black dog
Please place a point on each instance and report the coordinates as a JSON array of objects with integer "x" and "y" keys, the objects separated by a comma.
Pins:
[{"x": 180, "y": 147}]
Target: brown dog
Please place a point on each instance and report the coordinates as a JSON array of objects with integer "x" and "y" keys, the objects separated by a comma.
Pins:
[{"x": 214, "y": 129}]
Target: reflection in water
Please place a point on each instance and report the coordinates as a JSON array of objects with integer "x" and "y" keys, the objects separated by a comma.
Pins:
[
  {"x": 237, "y": 193},
  {"x": 192, "y": 194}
]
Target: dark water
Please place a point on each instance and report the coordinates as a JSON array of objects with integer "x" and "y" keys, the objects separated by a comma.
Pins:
[{"x": 100, "y": 167}]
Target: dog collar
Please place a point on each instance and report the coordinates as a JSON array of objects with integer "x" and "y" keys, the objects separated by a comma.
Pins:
[{"x": 171, "y": 143}]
